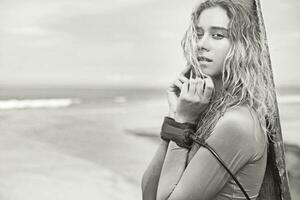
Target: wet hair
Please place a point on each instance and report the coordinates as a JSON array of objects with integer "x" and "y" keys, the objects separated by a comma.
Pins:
[{"x": 246, "y": 76}]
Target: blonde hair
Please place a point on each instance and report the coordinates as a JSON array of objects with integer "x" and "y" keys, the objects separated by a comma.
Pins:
[{"x": 246, "y": 76}]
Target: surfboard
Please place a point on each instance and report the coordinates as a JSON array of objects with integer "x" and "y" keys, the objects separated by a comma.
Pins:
[{"x": 275, "y": 184}]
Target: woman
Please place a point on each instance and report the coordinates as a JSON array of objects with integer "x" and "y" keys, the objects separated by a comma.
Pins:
[{"x": 229, "y": 101}]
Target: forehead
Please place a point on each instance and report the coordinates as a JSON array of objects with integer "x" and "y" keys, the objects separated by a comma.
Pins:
[{"x": 215, "y": 16}]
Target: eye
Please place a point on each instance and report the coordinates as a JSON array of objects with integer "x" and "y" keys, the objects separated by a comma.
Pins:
[
  {"x": 200, "y": 35},
  {"x": 218, "y": 36}
]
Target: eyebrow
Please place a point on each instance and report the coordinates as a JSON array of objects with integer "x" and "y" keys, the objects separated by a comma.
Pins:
[
  {"x": 219, "y": 28},
  {"x": 213, "y": 28}
]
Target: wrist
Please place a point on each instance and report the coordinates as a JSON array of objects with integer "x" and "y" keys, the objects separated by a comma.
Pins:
[
  {"x": 177, "y": 132},
  {"x": 181, "y": 119},
  {"x": 171, "y": 114}
]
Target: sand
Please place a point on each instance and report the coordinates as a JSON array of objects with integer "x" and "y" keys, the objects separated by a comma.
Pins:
[
  {"x": 31, "y": 170},
  {"x": 68, "y": 154}
]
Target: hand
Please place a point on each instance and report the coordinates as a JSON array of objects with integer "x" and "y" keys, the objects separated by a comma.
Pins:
[
  {"x": 174, "y": 89},
  {"x": 194, "y": 98}
]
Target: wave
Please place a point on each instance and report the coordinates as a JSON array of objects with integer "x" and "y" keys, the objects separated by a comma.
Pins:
[
  {"x": 67, "y": 102},
  {"x": 36, "y": 103},
  {"x": 120, "y": 99}
]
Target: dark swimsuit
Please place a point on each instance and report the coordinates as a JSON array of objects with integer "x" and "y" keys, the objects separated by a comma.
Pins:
[{"x": 247, "y": 162}]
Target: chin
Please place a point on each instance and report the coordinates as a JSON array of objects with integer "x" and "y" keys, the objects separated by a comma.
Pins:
[
  {"x": 206, "y": 71},
  {"x": 210, "y": 71},
  {"x": 212, "y": 74}
]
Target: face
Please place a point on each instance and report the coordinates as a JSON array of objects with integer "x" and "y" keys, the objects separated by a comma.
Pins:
[{"x": 213, "y": 42}]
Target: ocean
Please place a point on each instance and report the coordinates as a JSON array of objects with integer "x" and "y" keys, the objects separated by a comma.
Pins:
[
  {"x": 104, "y": 96},
  {"x": 71, "y": 143},
  {"x": 30, "y": 98},
  {"x": 114, "y": 100}
]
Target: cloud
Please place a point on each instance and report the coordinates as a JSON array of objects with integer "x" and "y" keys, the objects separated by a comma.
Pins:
[
  {"x": 126, "y": 41},
  {"x": 30, "y": 17}
]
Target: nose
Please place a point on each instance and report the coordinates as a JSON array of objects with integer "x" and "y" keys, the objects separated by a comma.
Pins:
[{"x": 203, "y": 44}]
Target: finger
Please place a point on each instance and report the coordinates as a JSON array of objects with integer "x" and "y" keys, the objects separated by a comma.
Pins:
[
  {"x": 184, "y": 89},
  {"x": 183, "y": 78},
  {"x": 190, "y": 81},
  {"x": 192, "y": 86},
  {"x": 199, "y": 87},
  {"x": 209, "y": 88},
  {"x": 178, "y": 83}
]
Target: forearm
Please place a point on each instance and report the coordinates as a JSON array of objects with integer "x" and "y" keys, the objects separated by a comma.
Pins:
[
  {"x": 173, "y": 168},
  {"x": 151, "y": 175}
]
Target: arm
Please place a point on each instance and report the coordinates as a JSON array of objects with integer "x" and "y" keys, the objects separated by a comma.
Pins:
[
  {"x": 192, "y": 100},
  {"x": 173, "y": 168},
  {"x": 204, "y": 177},
  {"x": 152, "y": 173},
  {"x": 151, "y": 176}
]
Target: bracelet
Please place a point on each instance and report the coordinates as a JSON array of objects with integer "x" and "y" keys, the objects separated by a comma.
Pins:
[{"x": 178, "y": 132}]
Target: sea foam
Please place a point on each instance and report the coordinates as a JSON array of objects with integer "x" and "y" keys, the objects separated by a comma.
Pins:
[{"x": 36, "y": 103}]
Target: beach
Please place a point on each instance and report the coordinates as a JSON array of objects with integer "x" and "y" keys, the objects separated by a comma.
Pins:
[{"x": 96, "y": 148}]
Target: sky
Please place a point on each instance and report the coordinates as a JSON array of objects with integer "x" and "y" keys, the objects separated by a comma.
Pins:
[{"x": 119, "y": 42}]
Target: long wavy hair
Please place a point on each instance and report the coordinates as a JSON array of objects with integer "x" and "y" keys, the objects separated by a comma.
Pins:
[{"x": 246, "y": 76}]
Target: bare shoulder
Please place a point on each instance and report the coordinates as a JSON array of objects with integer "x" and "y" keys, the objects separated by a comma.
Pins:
[
  {"x": 239, "y": 114},
  {"x": 238, "y": 129},
  {"x": 237, "y": 122}
]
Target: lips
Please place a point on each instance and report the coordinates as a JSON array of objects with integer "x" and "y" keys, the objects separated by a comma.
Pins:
[{"x": 203, "y": 58}]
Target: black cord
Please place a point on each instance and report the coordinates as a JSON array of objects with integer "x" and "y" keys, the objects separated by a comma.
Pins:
[{"x": 204, "y": 144}]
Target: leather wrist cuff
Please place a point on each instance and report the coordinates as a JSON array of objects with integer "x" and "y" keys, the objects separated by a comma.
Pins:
[{"x": 177, "y": 132}]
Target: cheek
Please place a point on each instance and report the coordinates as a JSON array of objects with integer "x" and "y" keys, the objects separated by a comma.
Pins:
[{"x": 223, "y": 51}]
